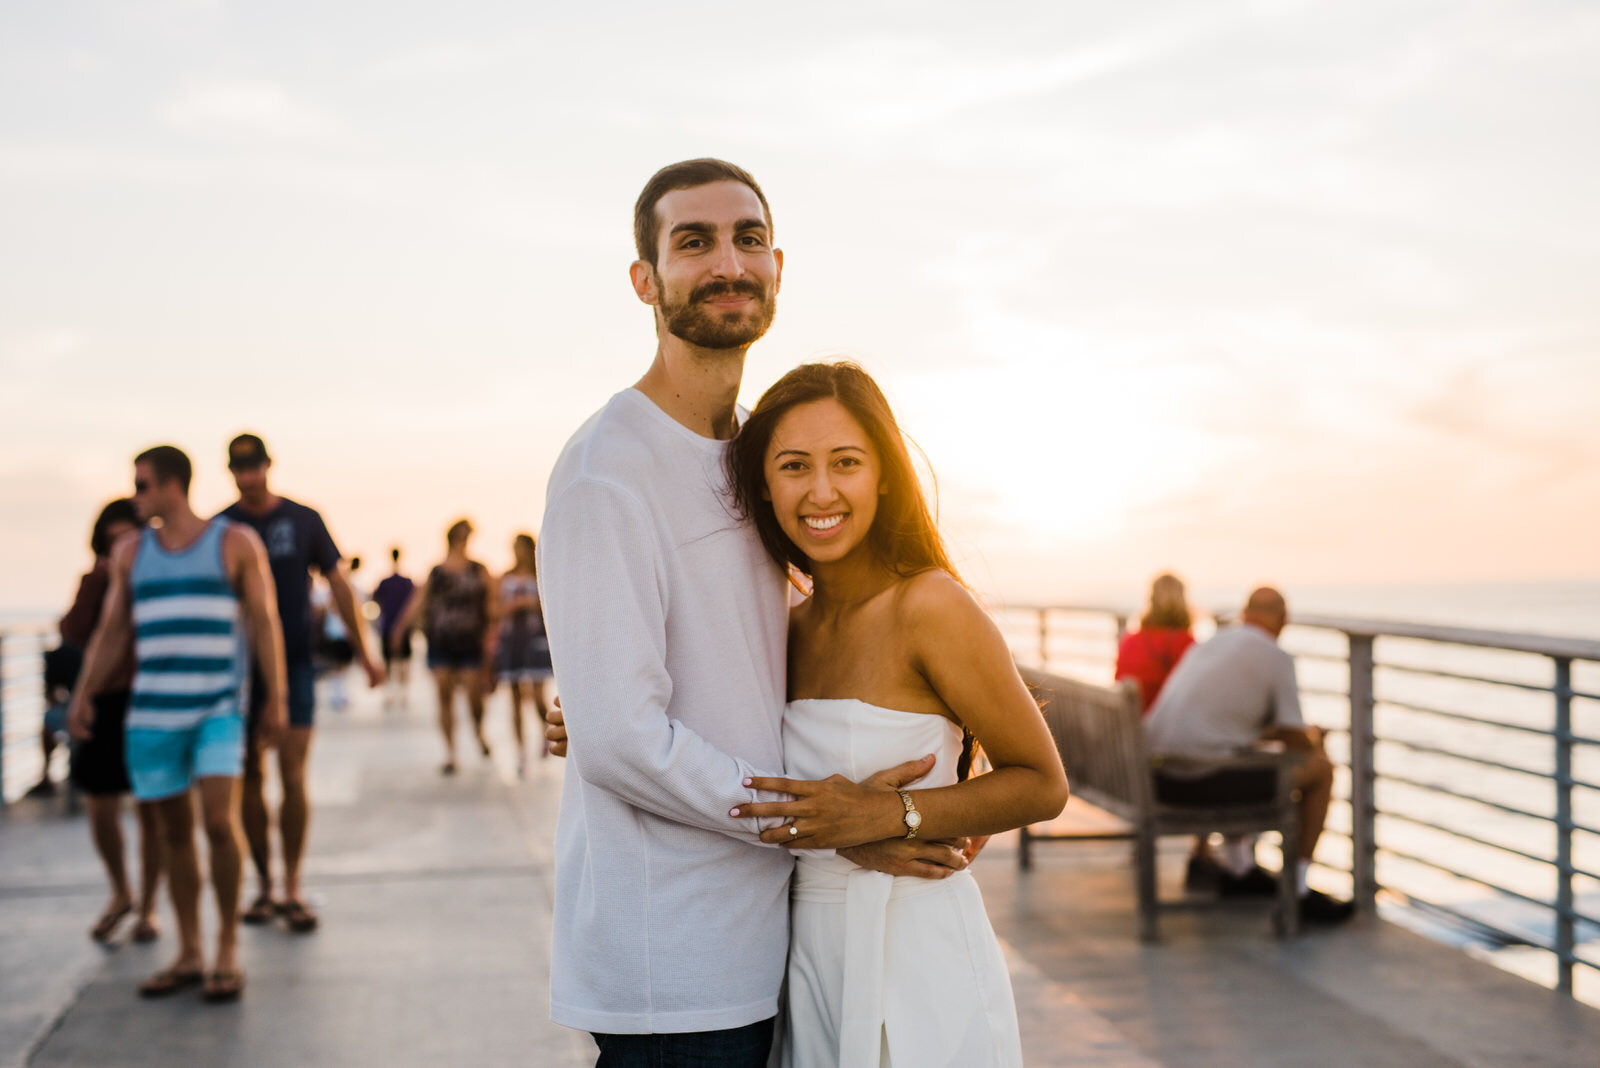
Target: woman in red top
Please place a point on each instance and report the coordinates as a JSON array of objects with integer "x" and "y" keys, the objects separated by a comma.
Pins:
[
  {"x": 1149, "y": 654},
  {"x": 98, "y": 767}
]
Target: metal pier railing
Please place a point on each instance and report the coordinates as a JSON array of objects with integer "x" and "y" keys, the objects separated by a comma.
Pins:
[
  {"x": 1469, "y": 784},
  {"x": 21, "y": 705}
]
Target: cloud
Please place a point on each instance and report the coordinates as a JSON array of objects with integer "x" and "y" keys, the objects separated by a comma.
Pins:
[{"x": 255, "y": 109}]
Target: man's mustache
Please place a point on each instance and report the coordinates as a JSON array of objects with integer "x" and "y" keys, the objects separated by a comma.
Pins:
[{"x": 713, "y": 290}]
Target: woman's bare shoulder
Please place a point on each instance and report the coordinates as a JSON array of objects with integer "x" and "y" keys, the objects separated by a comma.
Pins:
[{"x": 934, "y": 600}]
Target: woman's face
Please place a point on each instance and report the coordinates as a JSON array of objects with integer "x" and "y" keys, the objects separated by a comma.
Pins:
[
  {"x": 117, "y": 530},
  {"x": 824, "y": 478}
]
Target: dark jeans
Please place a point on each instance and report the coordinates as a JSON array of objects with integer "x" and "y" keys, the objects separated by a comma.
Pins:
[{"x": 740, "y": 1047}]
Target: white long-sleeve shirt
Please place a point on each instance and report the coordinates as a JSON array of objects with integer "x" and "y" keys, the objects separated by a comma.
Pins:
[{"x": 668, "y": 627}]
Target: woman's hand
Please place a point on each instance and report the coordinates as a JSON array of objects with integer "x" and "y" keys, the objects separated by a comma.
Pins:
[{"x": 835, "y": 813}]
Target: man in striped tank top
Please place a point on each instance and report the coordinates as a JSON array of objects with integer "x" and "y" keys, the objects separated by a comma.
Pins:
[{"x": 188, "y": 596}]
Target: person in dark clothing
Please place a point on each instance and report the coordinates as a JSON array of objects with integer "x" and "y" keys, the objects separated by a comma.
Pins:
[
  {"x": 99, "y": 764},
  {"x": 457, "y": 606},
  {"x": 392, "y": 596},
  {"x": 297, "y": 542}
]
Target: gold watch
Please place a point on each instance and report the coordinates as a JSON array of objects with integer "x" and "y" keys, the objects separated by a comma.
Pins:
[{"x": 913, "y": 817}]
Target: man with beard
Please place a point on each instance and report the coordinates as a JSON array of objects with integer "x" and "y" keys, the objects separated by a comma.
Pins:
[{"x": 668, "y": 626}]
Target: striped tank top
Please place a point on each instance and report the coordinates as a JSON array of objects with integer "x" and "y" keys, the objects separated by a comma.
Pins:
[{"x": 189, "y": 636}]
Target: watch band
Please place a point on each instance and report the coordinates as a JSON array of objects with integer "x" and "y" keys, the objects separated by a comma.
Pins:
[{"x": 913, "y": 817}]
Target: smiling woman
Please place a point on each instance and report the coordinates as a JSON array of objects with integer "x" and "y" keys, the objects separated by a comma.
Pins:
[{"x": 889, "y": 657}]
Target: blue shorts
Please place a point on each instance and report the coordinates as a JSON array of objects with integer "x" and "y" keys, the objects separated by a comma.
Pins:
[{"x": 165, "y": 763}]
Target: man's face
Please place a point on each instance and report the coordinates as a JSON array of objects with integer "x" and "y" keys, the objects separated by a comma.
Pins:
[
  {"x": 148, "y": 497},
  {"x": 716, "y": 284},
  {"x": 251, "y": 479}
]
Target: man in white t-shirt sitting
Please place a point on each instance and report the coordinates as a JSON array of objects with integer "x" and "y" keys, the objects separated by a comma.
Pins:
[{"x": 1225, "y": 696}]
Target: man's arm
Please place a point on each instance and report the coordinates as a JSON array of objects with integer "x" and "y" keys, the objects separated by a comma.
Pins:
[
  {"x": 344, "y": 599},
  {"x": 606, "y": 618},
  {"x": 112, "y": 637},
  {"x": 251, "y": 575}
]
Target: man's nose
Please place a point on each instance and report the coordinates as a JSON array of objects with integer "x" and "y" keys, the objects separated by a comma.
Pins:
[{"x": 726, "y": 261}]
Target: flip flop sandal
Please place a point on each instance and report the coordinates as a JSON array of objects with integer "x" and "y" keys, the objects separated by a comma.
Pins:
[
  {"x": 223, "y": 986},
  {"x": 299, "y": 918},
  {"x": 169, "y": 981},
  {"x": 145, "y": 931},
  {"x": 262, "y": 910},
  {"x": 106, "y": 926}
]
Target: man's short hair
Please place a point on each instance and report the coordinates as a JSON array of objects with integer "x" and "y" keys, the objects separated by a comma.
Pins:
[
  {"x": 686, "y": 175},
  {"x": 247, "y": 452},
  {"x": 168, "y": 462}
]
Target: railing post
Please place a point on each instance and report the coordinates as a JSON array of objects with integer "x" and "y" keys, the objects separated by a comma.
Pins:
[
  {"x": 1044, "y": 639},
  {"x": 1363, "y": 775},
  {"x": 1565, "y": 935}
]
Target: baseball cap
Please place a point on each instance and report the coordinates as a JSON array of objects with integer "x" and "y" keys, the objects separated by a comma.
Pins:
[{"x": 246, "y": 451}]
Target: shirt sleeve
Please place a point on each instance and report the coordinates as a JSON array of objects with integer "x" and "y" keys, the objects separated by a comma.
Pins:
[
  {"x": 1286, "y": 694},
  {"x": 323, "y": 552},
  {"x": 605, "y": 612}
]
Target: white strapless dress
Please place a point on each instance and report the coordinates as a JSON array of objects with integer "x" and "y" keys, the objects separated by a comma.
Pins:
[{"x": 887, "y": 970}]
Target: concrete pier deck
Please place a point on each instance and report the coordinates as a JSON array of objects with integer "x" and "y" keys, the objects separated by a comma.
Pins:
[{"x": 434, "y": 950}]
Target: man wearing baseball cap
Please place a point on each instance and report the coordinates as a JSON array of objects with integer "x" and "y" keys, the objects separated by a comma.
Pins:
[{"x": 297, "y": 541}]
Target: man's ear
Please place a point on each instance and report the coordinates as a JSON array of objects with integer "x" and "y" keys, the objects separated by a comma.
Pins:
[
  {"x": 643, "y": 277},
  {"x": 777, "y": 283}
]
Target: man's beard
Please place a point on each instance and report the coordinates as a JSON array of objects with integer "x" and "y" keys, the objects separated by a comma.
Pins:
[{"x": 694, "y": 322}]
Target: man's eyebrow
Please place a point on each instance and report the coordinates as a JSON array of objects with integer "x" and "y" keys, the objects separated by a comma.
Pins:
[{"x": 709, "y": 228}]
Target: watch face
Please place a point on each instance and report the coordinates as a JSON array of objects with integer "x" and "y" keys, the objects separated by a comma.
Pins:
[{"x": 913, "y": 819}]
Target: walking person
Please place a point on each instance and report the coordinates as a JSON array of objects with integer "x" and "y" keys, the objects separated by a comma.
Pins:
[
  {"x": 392, "y": 595},
  {"x": 890, "y": 656},
  {"x": 667, "y": 625},
  {"x": 457, "y": 605},
  {"x": 184, "y": 598},
  {"x": 99, "y": 762},
  {"x": 297, "y": 541},
  {"x": 524, "y": 653}
]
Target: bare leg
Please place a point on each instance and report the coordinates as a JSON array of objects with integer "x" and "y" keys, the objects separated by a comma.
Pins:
[
  {"x": 152, "y": 861},
  {"x": 219, "y": 800},
  {"x": 257, "y": 821},
  {"x": 474, "y": 682},
  {"x": 105, "y": 827},
  {"x": 176, "y": 816},
  {"x": 541, "y": 705},
  {"x": 1315, "y": 780},
  {"x": 445, "y": 680},
  {"x": 295, "y": 815},
  {"x": 516, "y": 688}
]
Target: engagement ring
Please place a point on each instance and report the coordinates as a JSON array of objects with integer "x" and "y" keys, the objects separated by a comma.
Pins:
[{"x": 792, "y": 830}]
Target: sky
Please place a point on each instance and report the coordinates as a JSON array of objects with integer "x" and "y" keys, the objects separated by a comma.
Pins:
[{"x": 1300, "y": 292}]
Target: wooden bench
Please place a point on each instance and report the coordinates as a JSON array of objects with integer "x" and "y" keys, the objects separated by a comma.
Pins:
[{"x": 1099, "y": 733}]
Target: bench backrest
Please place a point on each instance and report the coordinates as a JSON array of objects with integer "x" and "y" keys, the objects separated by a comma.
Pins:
[{"x": 1101, "y": 739}]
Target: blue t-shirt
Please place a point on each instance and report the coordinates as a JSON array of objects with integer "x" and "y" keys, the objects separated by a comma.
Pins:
[{"x": 297, "y": 540}]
